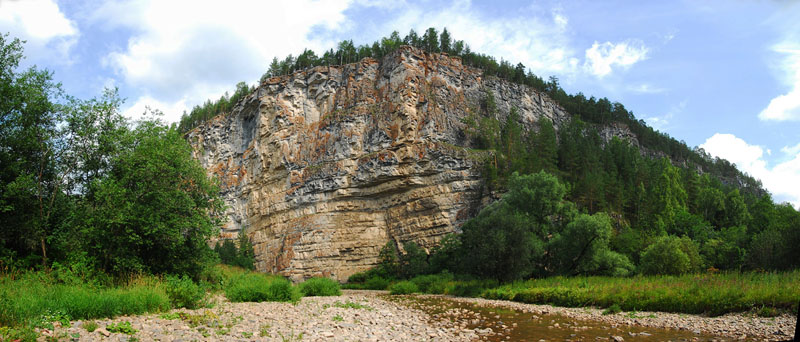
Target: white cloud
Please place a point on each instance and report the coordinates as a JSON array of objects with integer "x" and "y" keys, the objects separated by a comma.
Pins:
[
  {"x": 135, "y": 110},
  {"x": 791, "y": 150},
  {"x": 646, "y": 88},
  {"x": 41, "y": 23},
  {"x": 538, "y": 37},
  {"x": 782, "y": 180},
  {"x": 661, "y": 122},
  {"x": 602, "y": 57},
  {"x": 183, "y": 52},
  {"x": 787, "y": 106},
  {"x": 786, "y": 64}
]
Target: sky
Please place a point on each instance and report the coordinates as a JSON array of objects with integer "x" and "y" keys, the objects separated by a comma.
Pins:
[{"x": 720, "y": 75}]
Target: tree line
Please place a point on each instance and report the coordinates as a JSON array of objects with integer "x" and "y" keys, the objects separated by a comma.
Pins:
[{"x": 590, "y": 110}]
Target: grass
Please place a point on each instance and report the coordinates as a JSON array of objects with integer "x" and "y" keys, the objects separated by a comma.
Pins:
[
  {"x": 34, "y": 297},
  {"x": 711, "y": 294},
  {"x": 348, "y": 305},
  {"x": 254, "y": 287},
  {"x": 90, "y": 326},
  {"x": 32, "y": 300},
  {"x": 320, "y": 287}
]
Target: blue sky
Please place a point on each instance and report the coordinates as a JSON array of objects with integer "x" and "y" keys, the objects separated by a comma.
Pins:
[{"x": 721, "y": 75}]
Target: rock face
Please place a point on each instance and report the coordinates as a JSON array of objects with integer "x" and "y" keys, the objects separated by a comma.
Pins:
[{"x": 323, "y": 167}]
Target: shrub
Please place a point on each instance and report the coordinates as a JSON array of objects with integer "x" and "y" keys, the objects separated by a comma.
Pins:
[
  {"x": 320, "y": 287},
  {"x": 670, "y": 255},
  {"x": 121, "y": 327},
  {"x": 253, "y": 287},
  {"x": 432, "y": 283},
  {"x": 470, "y": 288},
  {"x": 414, "y": 262},
  {"x": 90, "y": 326},
  {"x": 184, "y": 293},
  {"x": 403, "y": 287},
  {"x": 613, "y": 309},
  {"x": 377, "y": 283}
]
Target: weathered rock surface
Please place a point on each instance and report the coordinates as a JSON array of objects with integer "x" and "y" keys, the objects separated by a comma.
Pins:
[{"x": 324, "y": 166}]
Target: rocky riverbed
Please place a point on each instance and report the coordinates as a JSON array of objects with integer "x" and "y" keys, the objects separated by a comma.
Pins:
[{"x": 370, "y": 316}]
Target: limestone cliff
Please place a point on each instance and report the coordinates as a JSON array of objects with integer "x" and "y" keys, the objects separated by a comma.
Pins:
[{"x": 324, "y": 166}]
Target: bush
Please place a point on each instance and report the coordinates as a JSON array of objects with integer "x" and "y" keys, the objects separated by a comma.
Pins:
[
  {"x": 432, "y": 283},
  {"x": 470, "y": 288},
  {"x": 184, "y": 293},
  {"x": 253, "y": 287},
  {"x": 613, "y": 309},
  {"x": 377, "y": 283},
  {"x": 362, "y": 277},
  {"x": 403, "y": 287},
  {"x": 670, "y": 255},
  {"x": 320, "y": 287}
]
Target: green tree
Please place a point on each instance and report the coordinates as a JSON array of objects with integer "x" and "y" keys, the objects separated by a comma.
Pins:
[
  {"x": 31, "y": 178},
  {"x": 545, "y": 147},
  {"x": 501, "y": 243},
  {"x": 156, "y": 207},
  {"x": 245, "y": 255},
  {"x": 414, "y": 262},
  {"x": 670, "y": 255},
  {"x": 388, "y": 261},
  {"x": 430, "y": 40},
  {"x": 445, "y": 41},
  {"x": 582, "y": 248}
]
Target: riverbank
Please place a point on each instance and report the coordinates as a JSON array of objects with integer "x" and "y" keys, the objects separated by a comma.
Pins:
[
  {"x": 369, "y": 316},
  {"x": 735, "y": 326},
  {"x": 353, "y": 316}
]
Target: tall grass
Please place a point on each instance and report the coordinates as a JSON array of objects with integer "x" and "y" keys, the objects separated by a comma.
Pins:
[
  {"x": 711, "y": 294},
  {"x": 255, "y": 287},
  {"x": 27, "y": 299},
  {"x": 320, "y": 287}
]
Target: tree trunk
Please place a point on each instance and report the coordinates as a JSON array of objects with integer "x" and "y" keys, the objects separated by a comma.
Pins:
[{"x": 44, "y": 253}]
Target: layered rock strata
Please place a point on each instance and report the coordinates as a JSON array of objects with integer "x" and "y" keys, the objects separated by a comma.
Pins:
[{"x": 323, "y": 167}]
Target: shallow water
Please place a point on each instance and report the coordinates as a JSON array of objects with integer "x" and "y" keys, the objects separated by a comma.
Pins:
[{"x": 512, "y": 325}]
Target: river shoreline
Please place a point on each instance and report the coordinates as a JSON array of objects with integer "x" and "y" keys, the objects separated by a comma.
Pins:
[{"x": 368, "y": 316}]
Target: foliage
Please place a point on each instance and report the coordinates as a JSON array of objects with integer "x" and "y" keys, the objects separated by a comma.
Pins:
[
  {"x": 433, "y": 283},
  {"x": 33, "y": 295},
  {"x": 86, "y": 191},
  {"x": 613, "y": 309},
  {"x": 377, "y": 283},
  {"x": 389, "y": 262},
  {"x": 348, "y": 305},
  {"x": 156, "y": 208},
  {"x": 671, "y": 255},
  {"x": 713, "y": 294},
  {"x": 90, "y": 326},
  {"x": 414, "y": 261},
  {"x": 184, "y": 293},
  {"x": 209, "y": 109},
  {"x": 403, "y": 287},
  {"x": 253, "y": 287},
  {"x": 123, "y": 327},
  {"x": 242, "y": 255},
  {"x": 320, "y": 287}
]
